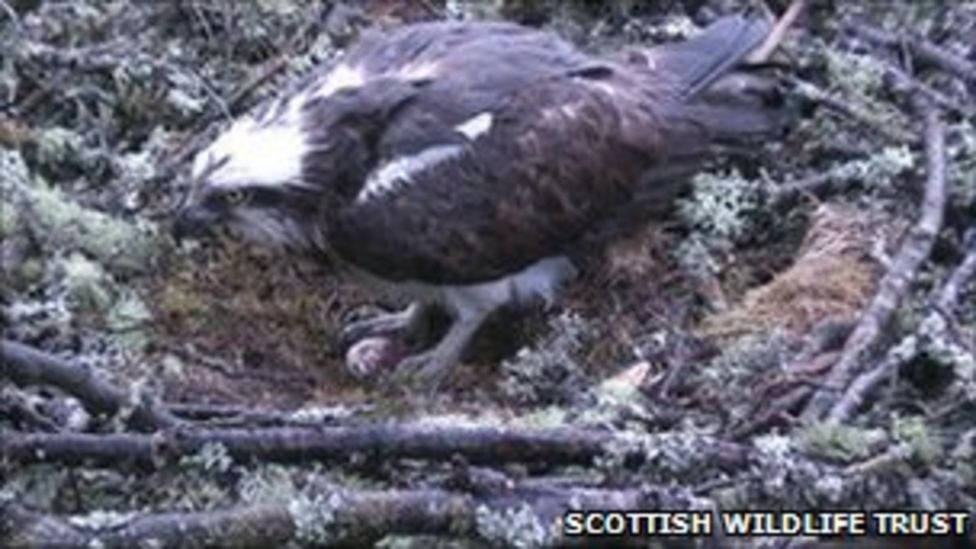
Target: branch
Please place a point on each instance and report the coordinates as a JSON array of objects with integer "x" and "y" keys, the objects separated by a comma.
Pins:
[
  {"x": 868, "y": 382},
  {"x": 949, "y": 295},
  {"x": 762, "y": 53},
  {"x": 883, "y": 128},
  {"x": 26, "y": 365},
  {"x": 921, "y": 48},
  {"x": 864, "y": 385},
  {"x": 343, "y": 518},
  {"x": 483, "y": 445},
  {"x": 895, "y": 284}
]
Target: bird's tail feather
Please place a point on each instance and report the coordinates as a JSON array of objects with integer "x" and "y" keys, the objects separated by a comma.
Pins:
[{"x": 699, "y": 62}]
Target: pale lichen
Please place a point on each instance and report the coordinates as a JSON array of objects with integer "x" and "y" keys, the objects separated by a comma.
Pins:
[
  {"x": 315, "y": 517},
  {"x": 518, "y": 527},
  {"x": 59, "y": 223},
  {"x": 551, "y": 370}
]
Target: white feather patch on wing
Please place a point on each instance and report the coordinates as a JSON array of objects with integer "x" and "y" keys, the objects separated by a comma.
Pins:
[
  {"x": 401, "y": 171},
  {"x": 342, "y": 77},
  {"x": 476, "y": 126}
]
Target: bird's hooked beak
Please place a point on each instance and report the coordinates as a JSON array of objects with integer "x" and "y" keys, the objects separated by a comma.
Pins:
[{"x": 193, "y": 222}]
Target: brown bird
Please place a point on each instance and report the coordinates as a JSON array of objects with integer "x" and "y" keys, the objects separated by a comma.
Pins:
[{"x": 459, "y": 163}]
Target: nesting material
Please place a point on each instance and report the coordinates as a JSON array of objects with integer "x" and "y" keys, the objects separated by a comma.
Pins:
[{"x": 833, "y": 275}]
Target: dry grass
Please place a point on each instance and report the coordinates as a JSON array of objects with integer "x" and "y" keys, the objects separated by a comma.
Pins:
[{"x": 832, "y": 275}]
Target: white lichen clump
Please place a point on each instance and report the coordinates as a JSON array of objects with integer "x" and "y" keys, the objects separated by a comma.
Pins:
[
  {"x": 315, "y": 517},
  {"x": 513, "y": 527}
]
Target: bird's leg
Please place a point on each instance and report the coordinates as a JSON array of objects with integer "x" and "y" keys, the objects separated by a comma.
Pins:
[
  {"x": 409, "y": 325},
  {"x": 430, "y": 367}
]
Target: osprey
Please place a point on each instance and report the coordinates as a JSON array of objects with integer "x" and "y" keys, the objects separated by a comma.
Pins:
[{"x": 458, "y": 163}]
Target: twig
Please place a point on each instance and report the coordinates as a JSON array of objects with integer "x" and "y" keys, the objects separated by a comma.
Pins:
[
  {"x": 384, "y": 441},
  {"x": 15, "y": 406},
  {"x": 762, "y": 53},
  {"x": 895, "y": 284},
  {"x": 922, "y": 49},
  {"x": 26, "y": 365},
  {"x": 12, "y": 14},
  {"x": 849, "y": 109},
  {"x": 906, "y": 84},
  {"x": 864, "y": 385},
  {"x": 820, "y": 347},
  {"x": 948, "y": 297},
  {"x": 248, "y": 416},
  {"x": 944, "y": 303}
]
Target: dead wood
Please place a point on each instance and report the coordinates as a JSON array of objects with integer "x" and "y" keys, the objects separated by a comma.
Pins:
[
  {"x": 955, "y": 285},
  {"x": 944, "y": 303},
  {"x": 259, "y": 526},
  {"x": 848, "y": 109},
  {"x": 27, "y": 365},
  {"x": 336, "y": 518},
  {"x": 922, "y": 49},
  {"x": 821, "y": 347},
  {"x": 762, "y": 53},
  {"x": 553, "y": 447},
  {"x": 892, "y": 288}
]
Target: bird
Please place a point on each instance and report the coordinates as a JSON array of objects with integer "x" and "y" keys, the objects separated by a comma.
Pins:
[{"x": 459, "y": 163}]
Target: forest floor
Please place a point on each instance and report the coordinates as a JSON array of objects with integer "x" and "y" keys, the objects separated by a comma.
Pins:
[{"x": 799, "y": 332}]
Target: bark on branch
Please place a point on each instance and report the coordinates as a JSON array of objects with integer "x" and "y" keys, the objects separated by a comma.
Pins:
[
  {"x": 26, "y": 365},
  {"x": 921, "y": 48},
  {"x": 553, "y": 447},
  {"x": 944, "y": 303},
  {"x": 915, "y": 249},
  {"x": 340, "y": 518}
]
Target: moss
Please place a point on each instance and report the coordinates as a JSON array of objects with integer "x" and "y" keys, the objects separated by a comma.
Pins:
[
  {"x": 10, "y": 221},
  {"x": 30, "y": 272},
  {"x": 839, "y": 443},
  {"x": 59, "y": 146},
  {"x": 89, "y": 288},
  {"x": 926, "y": 447}
]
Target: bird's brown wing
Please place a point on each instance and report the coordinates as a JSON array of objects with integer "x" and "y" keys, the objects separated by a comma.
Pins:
[
  {"x": 559, "y": 155},
  {"x": 568, "y": 142}
]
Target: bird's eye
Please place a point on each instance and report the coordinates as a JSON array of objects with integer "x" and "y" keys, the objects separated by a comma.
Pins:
[{"x": 235, "y": 197}]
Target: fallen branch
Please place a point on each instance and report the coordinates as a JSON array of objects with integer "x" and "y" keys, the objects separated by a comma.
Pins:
[
  {"x": 821, "y": 347},
  {"x": 895, "y": 284},
  {"x": 921, "y": 48},
  {"x": 948, "y": 297},
  {"x": 864, "y": 385},
  {"x": 868, "y": 382},
  {"x": 762, "y": 53},
  {"x": 883, "y": 128},
  {"x": 341, "y": 518},
  {"x": 905, "y": 83},
  {"x": 553, "y": 447},
  {"x": 26, "y": 365}
]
